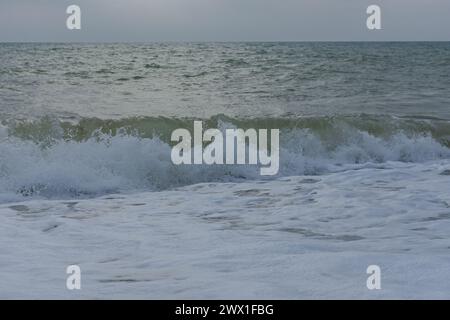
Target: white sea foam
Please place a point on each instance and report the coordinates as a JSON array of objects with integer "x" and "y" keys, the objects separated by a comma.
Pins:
[
  {"x": 294, "y": 237},
  {"x": 126, "y": 163}
]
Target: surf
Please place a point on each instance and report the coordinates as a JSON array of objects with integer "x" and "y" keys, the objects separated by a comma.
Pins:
[{"x": 93, "y": 157}]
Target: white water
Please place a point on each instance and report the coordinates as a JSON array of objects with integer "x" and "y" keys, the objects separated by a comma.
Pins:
[
  {"x": 69, "y": 169},
  {"x": 295, "y": 237}
]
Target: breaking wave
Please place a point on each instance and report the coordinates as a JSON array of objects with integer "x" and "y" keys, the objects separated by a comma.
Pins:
[{"x": 53, "y": 159}]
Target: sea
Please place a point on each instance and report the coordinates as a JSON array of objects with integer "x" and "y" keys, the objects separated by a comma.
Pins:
[{"x": 86, "y": 176}]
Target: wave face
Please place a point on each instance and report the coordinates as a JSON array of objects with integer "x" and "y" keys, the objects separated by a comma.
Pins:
[{"x": 52, "y": 159}]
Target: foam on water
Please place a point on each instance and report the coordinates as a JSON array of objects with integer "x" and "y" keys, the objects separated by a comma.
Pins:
[
  {"x": 292, "y": 238},
  {"x": 123, "y": 163}
]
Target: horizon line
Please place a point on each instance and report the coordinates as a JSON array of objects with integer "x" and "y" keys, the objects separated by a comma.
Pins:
[{"x": 218, "y": 41}]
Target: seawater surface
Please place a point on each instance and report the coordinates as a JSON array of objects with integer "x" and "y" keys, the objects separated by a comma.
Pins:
[{"x": 86, "y": 176}]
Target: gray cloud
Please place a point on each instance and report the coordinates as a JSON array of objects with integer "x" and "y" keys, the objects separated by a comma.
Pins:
[{"x": 223, "y": 20}]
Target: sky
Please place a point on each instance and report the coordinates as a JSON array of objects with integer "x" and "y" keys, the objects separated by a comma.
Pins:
[{"x": 223, "y": 20}]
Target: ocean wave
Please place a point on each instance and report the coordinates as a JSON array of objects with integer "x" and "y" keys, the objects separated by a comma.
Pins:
[
  {"x": 331, "y": 129},
  {"x": 52, "y": 159}
]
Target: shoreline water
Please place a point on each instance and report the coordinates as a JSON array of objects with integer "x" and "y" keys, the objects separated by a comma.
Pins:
[{"x": 292, "y": 238}]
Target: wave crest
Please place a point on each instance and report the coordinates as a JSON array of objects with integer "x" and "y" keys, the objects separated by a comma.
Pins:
[{"x": 52, "y": 166}]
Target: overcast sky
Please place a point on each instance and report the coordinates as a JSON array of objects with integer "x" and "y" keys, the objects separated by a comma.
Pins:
[{"x": 223, "y": 20}]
